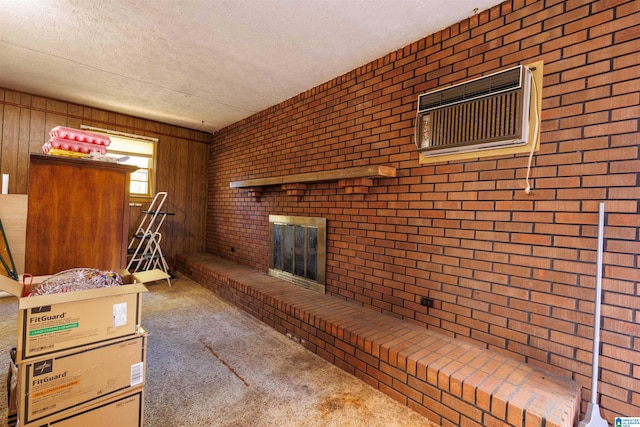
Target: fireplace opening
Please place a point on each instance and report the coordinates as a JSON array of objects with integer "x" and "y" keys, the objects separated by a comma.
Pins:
[{"x": 297, "y": 250}]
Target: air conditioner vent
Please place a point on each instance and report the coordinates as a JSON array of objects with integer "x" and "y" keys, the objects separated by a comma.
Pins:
[
  {"x": 488, "y": 112},
  {"x": 484, "y": 86}
]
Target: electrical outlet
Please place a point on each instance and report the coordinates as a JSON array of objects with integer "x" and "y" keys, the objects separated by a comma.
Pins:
[{"x": 427, "y": 302}]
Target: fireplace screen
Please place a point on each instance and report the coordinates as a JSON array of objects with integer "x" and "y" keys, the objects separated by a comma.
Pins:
[{"x": 297, "y": 250}]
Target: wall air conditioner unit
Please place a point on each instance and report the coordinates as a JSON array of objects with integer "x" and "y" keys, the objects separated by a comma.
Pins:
[{"x": 485, "y": 113}]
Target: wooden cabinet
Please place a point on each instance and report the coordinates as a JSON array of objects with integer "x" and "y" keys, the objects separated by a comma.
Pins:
[{"x": 77, "y": 215}]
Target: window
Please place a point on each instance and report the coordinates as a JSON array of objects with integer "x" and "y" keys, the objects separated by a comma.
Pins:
[{"x": 140, "y": 151}]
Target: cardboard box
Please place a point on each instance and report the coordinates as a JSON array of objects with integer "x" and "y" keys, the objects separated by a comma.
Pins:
[
  {"x": 52, "y": 384},
  {"x": 120, "y": 410},
  {"x": 57, "y": 322},
  {"x": 12, "y": 384},
  {"x": 13, "y": 212}
]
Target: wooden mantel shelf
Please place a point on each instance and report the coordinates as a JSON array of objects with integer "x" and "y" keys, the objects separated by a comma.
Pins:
[{"x": 374, "y": 171}]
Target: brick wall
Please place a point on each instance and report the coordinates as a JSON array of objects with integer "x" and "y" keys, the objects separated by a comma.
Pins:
[{"x": 509, "y": 271}]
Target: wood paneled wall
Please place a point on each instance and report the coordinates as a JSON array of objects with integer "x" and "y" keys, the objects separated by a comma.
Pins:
[{"x": 182, "y": 160}]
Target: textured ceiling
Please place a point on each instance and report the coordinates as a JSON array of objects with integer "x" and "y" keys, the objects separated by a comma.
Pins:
[{"x": 203, "y": 64}]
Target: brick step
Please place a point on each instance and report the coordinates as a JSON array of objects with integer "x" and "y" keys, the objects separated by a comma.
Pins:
[{"x": 450, "y": 381}]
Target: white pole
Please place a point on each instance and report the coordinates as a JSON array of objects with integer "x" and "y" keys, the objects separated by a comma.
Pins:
[
  {"x": 596, "y": 321},
  {"x": 593, "y": 417}
]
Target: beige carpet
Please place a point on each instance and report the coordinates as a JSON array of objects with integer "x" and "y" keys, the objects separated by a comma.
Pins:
[{"x": 211, "y": 364}]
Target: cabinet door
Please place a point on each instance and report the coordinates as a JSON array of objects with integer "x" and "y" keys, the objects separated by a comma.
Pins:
[{"x": 77, "y": 216}]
